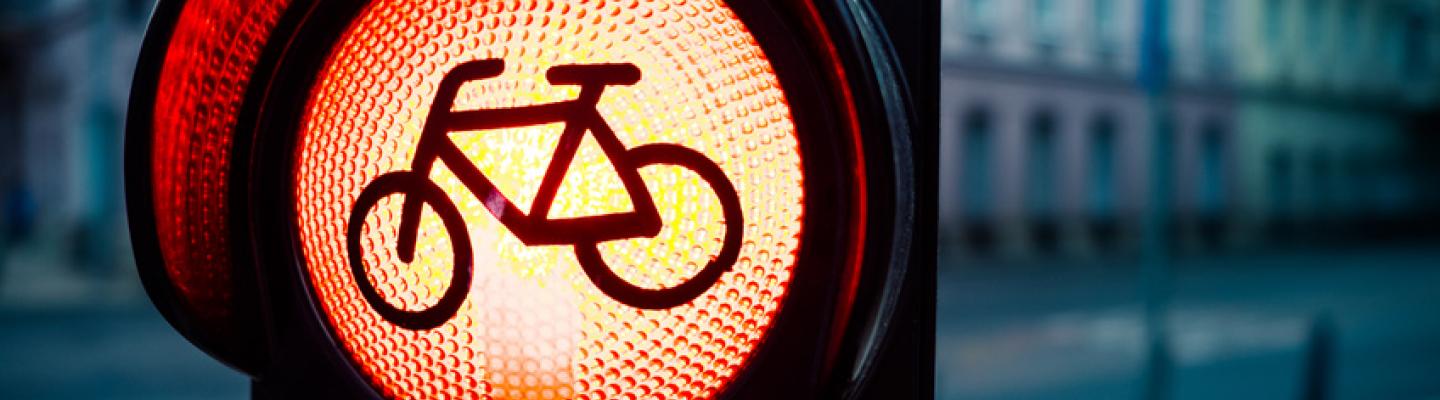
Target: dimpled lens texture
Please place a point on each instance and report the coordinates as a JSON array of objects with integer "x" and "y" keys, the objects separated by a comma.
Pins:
[
  {"x": 207, "y": 65},
  {"x": 533, "y": 325}
]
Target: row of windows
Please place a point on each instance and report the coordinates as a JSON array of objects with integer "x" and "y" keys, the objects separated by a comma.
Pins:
[
  {"x": 1047, "y": 23},
  {"x": 1043, "y": 166},
  {"x": 1395, "y": 35},
  {"x": 1299, "y": 182},
  {"x": 1338, "y": 181}
]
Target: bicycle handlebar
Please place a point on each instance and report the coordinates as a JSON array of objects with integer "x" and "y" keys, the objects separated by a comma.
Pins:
[
  {"x": 574, "y": 74},
  {"x": 592, "y": 74},
  {"x": 471, "y": 71}
]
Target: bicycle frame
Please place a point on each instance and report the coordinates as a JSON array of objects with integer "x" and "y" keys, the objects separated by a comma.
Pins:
[
  {"x": 536, "y": 227},
  {"x": 579, "y": 115}
]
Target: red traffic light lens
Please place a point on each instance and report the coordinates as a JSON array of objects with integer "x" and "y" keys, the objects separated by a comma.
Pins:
[
  {"x": 699, "y": 135},
  {"x": 204, "y": 70}
]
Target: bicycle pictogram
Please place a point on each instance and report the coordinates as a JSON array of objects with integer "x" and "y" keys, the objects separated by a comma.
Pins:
[{"x": 536, "y": 228}]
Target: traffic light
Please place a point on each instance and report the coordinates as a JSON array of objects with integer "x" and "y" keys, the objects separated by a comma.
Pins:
[{"x": 540, "y": 198}]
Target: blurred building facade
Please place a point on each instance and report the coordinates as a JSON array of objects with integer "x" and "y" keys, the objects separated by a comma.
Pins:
[
  {"x": 65, "y": 70},
  {"x": 1332, "y": 93},
  {"x": 1286, "y": 115}
]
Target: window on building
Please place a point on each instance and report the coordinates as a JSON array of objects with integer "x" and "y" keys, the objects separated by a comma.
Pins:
[
  {"x": 1388, "y": 46},
  {"x": 980, "y": 20},
  {"x": 1350, "y": 29},
  {"x": 1394, "y": 188},
  {"x": 1105, "y": 26},
  {"x": 1041, "y": 164},
  {"x": 1274, "y": 20},
  {"x": 1315, "y": 26},
  {"x": 1102, "y": 187},
  {"x": 1102, "y": 166},
  {"x": 977, "y": 173},
  {"x": 1214, "y": 34},
  {"x": 1212, "y": 169},
  {"x": 1042, "y": 169},
  {"x": 1322, "y": 187},
  {"x": 977, "y": 141},
  {"x": 1047, "y": 26},
  {"x": 952, "y": 24},
  {"x": 1417, "y": 49},
  {"x": 1355, "y": 181},
  {"x": 1280, "y": 181}
]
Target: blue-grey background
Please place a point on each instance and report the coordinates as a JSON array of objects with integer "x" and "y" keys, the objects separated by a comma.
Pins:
[
  {"x": 1191, "y": 199},
  {"x": 1230, "y": 199},
  {"x": 74, "y": 322}
]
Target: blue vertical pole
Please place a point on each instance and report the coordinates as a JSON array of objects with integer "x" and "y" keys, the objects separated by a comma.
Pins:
[
  {"x": 1154, "y": 79},
  {"x": 101, "y": 144}
]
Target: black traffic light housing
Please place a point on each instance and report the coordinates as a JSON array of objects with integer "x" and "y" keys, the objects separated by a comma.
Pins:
[{"x": 884, "y": 350}]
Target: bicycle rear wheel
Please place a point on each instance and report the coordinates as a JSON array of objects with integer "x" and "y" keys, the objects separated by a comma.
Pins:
[
  {"x": 408, "y": 184},
  {"x": 625, "y": 292}
]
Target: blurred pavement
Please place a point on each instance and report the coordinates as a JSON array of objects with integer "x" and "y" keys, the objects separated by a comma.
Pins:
[
  {"x": 1239, "y": 330},
  {"x": 68, "y": 335},
  {"x": 1239, "y": 326}
]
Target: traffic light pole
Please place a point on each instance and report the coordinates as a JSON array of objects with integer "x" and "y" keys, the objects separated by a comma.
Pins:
[{"x": 1155, "y": 244}]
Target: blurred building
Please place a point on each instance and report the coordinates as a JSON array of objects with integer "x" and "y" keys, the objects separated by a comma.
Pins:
[
  {"x": 1285, "y": 114},
  {"x": 1333, "y": 91},
  {"x": 65, "y": 69}
]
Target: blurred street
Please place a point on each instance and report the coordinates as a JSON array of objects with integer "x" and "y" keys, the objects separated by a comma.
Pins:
[
  {"x": 65, "y": 334},
  {"x": 106, "y": 353},
  {"x": 1239, "y": 327}
]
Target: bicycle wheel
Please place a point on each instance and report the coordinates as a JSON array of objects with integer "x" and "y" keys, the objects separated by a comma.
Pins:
[
  {"x": 409, "y": 184},
  {"x": 623, "y": 291}
]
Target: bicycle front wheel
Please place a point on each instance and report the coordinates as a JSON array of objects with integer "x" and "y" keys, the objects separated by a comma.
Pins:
[
  {"x": 414, "y": 187},
  {"x": 623, "y": 291}
]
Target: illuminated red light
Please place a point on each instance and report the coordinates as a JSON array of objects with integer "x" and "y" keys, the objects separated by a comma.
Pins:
[
  {"x": 207, "y": 66},
  {"x": 533, "y": 323}
]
